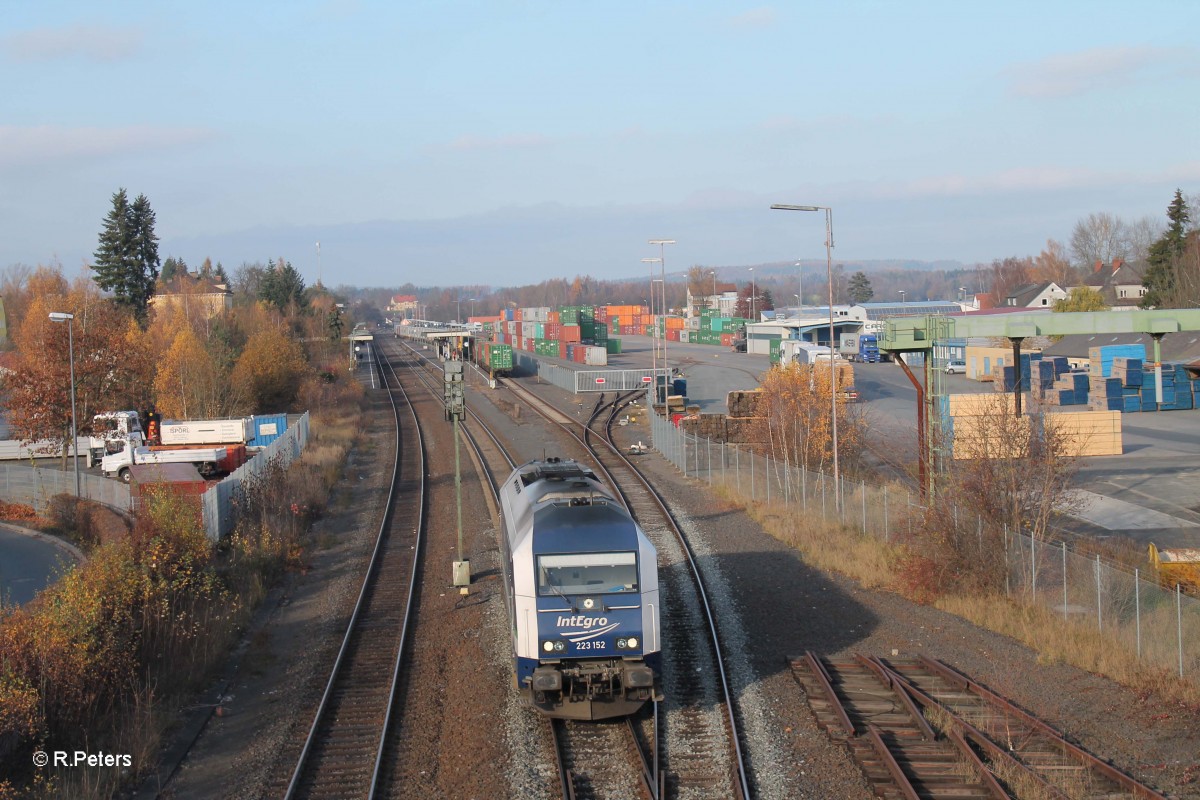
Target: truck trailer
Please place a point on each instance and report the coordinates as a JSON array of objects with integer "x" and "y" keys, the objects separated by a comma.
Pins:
[{"x": 210, "y": 461}]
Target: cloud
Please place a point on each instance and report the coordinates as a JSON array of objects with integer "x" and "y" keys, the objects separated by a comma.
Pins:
[
  {"x": 761, "y": 17},
  {"x": 29, "y": 145},
  {"x": 1072, "y": 74},
  {"x": 93, "y": 43},
  {"x": 467, "y": 142},
  {"x": 1025, "y": 179}
]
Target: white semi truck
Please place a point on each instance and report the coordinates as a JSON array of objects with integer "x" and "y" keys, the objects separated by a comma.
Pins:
[{"x": 210, "y": 461}]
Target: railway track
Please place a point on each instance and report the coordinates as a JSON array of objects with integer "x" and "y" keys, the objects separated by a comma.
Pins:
[
  {"x": 700, "y": 755},
  {"x": 341, "y": 755},
  {"x": 920, "y": 729}
]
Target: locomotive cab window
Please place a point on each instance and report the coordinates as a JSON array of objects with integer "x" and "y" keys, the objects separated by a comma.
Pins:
[{"x": 587, "y": 573}]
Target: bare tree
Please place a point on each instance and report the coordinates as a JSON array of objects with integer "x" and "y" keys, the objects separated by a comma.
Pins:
[
  {"x": 1099, "y": 237},
  {"x": 1052, "y": 264},
  {"x": 1142, "y": 233},
  {"x": 1008, "y": 275}
]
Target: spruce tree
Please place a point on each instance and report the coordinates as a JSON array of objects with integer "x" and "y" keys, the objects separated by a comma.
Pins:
[
  {"x": 1164, "y": 255},
  {"x": 859, "y": 289},
  {"x": 127, "y": 256}
]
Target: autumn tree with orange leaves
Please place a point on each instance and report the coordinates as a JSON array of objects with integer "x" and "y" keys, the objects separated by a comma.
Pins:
[
  {"x": 795, "y": 420},
  {"x": 270, "y": 370},
  {"x": 112, "y": 367}
]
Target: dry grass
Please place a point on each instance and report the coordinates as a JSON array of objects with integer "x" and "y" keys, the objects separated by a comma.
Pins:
[
  {"x": 826, "y": 545},
  {"x": 1074, "y": 642},
  {"x": 875, "y": 563}
]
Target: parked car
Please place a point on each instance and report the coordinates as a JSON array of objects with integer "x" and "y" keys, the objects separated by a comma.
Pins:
[{"x": 959, "y": 367}]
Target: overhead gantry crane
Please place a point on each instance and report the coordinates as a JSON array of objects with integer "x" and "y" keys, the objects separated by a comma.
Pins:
[{"x": 920, "y": 334}]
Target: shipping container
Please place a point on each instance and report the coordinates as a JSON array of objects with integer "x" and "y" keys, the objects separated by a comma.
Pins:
[
  {"x": 267, "y": 428},
  {"x": 596, "y": 357}
]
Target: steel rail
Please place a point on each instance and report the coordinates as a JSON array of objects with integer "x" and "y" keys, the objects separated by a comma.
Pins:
[
  {"x": 364, "y": 591},
  {"x": 1109, "y": 771},
  {"x": 400, "y": 652},
  {"x": 557, "y": 728}
]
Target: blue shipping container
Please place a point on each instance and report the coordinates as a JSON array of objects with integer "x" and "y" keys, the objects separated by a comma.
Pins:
[{"x": 267, "y": 428}]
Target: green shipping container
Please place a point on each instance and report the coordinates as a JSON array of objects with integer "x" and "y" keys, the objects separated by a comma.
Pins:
[
  {"x": 498, "y": 356},
  {"x": 774, "y": 354},
  {"x": 613, "y": 346}
]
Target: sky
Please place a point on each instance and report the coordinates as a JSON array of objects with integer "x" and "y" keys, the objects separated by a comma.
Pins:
[{"x": 505, "y": 143}]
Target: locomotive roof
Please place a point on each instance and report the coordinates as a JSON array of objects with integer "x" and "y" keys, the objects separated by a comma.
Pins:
[{"x": 568, "y": 528}]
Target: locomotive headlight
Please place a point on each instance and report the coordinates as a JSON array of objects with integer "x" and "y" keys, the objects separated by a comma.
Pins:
[
  {"x": 548, "y": 646},
  {"x": 589, "y": 603},
  {"x": 632, "y": 642},
  {"x": 560, "y": 646},
  {"x": 622, "y": 644}
]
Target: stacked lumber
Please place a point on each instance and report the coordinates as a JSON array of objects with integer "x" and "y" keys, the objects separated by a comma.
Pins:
[{"x": 1087, "y": 433}]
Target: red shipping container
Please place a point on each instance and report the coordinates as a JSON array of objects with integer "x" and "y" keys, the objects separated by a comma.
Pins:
[
  {"x": 727, "y": 339},
  {"x": 553, "y": 317},
  {"x": 562, "y": 349},
  {"x": 601, "y": 314},
  {"x": 672, "y": 334},
  {"x": 553, "y": 330},
  {"x": 570, "y": 333}
]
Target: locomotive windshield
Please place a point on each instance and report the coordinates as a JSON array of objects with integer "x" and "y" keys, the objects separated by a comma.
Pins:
[{"x": 587, "y": 573}]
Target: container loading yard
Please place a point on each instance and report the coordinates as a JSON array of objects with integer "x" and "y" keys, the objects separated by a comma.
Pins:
[{"x": 589, "y": 334}]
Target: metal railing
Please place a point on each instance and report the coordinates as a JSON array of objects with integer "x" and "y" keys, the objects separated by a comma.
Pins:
[
  {"x": 1159, "y": 625},
  {"x": 578, "y": 381},
  {"x": 35, "y": 486}
]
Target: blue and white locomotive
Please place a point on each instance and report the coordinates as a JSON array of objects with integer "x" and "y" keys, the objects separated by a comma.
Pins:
[{"x": 582, "y": 592}]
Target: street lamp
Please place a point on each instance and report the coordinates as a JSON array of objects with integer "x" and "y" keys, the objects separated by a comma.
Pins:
[
  {"x": 800, "y": 280},
  {"x": 837, "y": 484},
  {"x": 753, "y": 291},
  {"x": 901, "y": 295},
  {"x": 654, "y": 344},
  {"x": 61, "y": 316},
  {"x": 716, "y": 303},
  {"x": 662, "y": 264},
  {"x": 798, "y": 305}
]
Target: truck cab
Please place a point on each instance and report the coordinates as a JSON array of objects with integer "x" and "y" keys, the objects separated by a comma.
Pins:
[{"x": 111, "y": 428}]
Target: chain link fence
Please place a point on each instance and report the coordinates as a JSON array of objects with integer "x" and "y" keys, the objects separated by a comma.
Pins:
[{"x": 1161, "y": 625}]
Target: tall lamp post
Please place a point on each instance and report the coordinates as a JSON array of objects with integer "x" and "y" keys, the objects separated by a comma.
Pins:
[
  {"x": 901, "y": 291},
  {"x": 655, "y": 344},
  {"x": 798, "y": 305},
  {"x": 753, "y": 291},
  {"x": 716, "y": 302},
  {"x": 61, "y": 316},
  {"x": 662, "y": 265},
  {"x": 837, "y": 484}
]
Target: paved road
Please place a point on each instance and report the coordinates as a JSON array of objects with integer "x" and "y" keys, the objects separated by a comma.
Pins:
[
  {"x": 27, "y": 565},
  {"x": 1159, "y": 470}
]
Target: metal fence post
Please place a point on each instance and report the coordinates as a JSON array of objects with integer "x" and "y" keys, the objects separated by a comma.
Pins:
[
  {"x": 1137, "y": 608},
  {"x": 804, "y": 488},
  {"x": 1099, "y": 612},
  {"x": 709, "y": 461},
  {"x": 823, "y": 497},
  {"x": 863, "y": 488},
  {"x": 768, "y": 465},
  {"x": 751, "y": 475},
  {"x": 1064, "y": 570},
  {"x": 1007, "y": 568},
  {"x": 1179, "y": 625},
  {"x": 1033, "y": 569},
  {"x": 737, "y": 466},
  {"x": 886, "y": 533}
]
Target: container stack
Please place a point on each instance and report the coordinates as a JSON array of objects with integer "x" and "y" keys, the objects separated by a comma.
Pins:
[{"x": 582, "y": 334}]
